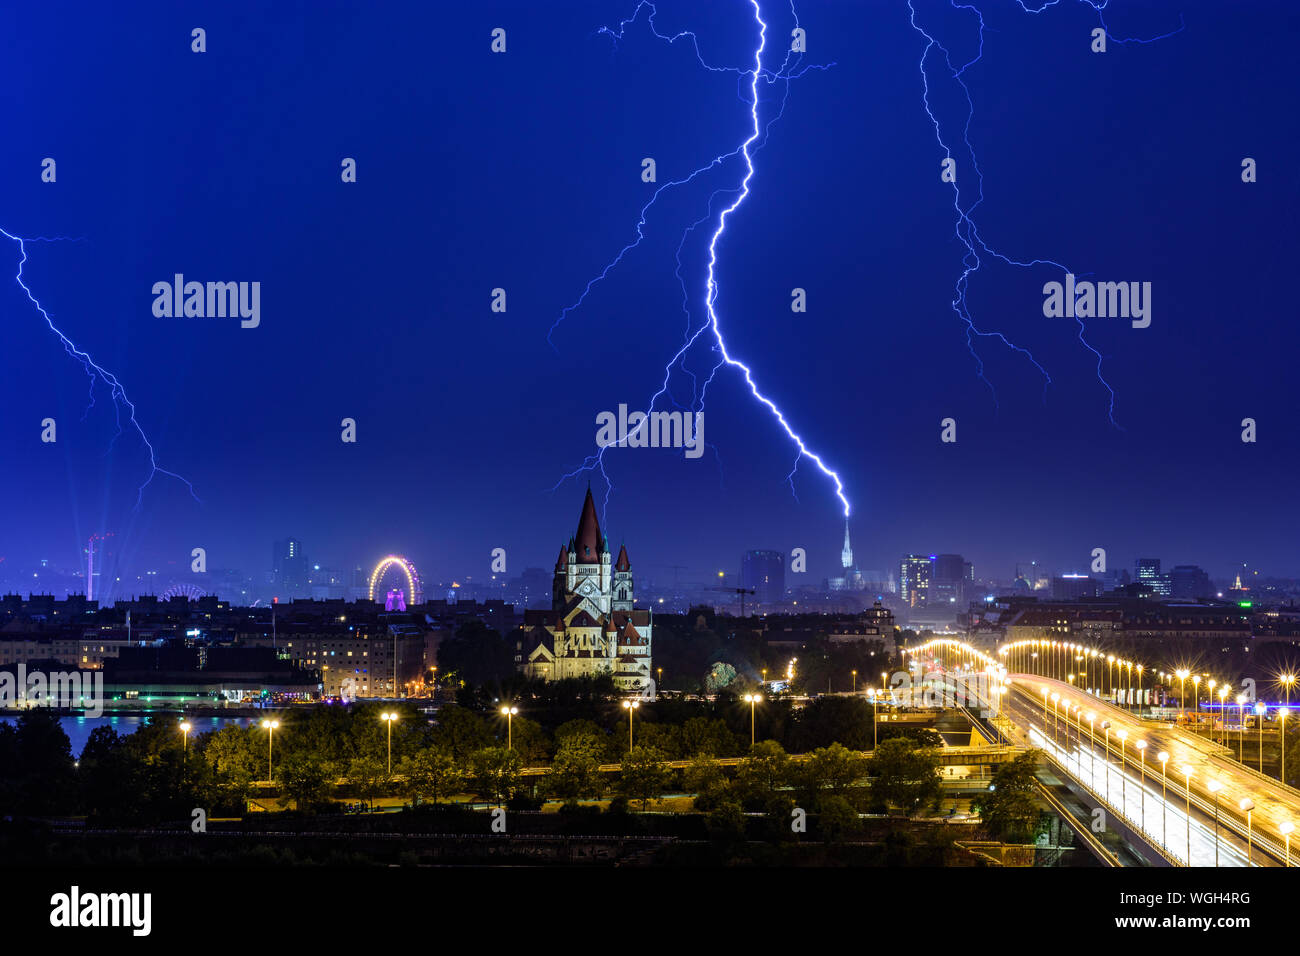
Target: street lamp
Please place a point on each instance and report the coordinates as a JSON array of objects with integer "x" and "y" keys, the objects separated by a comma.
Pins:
[
  {"x": 753, "y": 699},
  {"x": 630, "y": 706},
  {"x": 1241, "y": 728},
  {"x": 1214, "y": 787},
  {"x": 1123, "y": 771},
  {"x": 1285, "y": 829},
  {"x": 388, "y": 717},
  {"x": 1182, "y": 702},
  {"x": 270, "y": 726},
  {"x": 1282, "y": 714},
  {"x": 1187, "y": 789},
  {"x": 1196, "y": 692},
  {"x": 855, "y": 681},
  {"x": 1092, "y": 748},
  {"x": 1139, "y": 700},
  {"x": 1164, "y": 805},
  {"x": 185, "y": 729},
  {"x": 1260, "y": 710},
  {"x": 1055, "y": 698},
  {"x": 509, "y": 714},
  {"x": 1141, "y": 745},
  {"x": 1223, "y": 711},
  {"x": 1247, "y": 805},
  {"x": 1105, "y": 725}
]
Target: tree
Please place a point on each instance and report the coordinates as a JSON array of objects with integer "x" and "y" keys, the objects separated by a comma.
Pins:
[
  {"x": 702, "y": 735},
  {"x": 234, "y": 759},
  {"x": 767, "y": 768},
  {"x": 306, "y": 779},
  {"x": 575, "y": 772},
  {"x": 644, "y": 775},
  {"x": 368, "y": 776},
  {"x": 494, "y": 773},
  {"x": 477, "y": 653},
  {"x": 836, "y": 818},
  {"x": 835, "y": 768},
  {"x": 430, "y": 773},
  {"x": 828, "y": 720},
  {"x": 459, "y": 731},
  {"x": 1010, "y": 807},
  {"x": 905, "y": 776}
]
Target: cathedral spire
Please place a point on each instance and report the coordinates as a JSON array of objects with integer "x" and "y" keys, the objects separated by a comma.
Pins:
[
  {"x": 846, "y": 556},
  {"x": 587, "y": 541}
]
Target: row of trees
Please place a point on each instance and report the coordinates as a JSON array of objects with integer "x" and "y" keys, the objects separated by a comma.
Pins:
[{"x": 157, "y": 774}]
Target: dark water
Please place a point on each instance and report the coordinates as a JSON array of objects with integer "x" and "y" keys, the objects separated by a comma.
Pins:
[{"x": 79, "y": 729}]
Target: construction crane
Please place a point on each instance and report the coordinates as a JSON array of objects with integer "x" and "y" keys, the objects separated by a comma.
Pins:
[{"x": 741, "y": 591}]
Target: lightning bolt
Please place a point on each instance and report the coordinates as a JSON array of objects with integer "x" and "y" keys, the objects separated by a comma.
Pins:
[
  {"x": 966, "y": 230},
  {"x": 722, "y": 357},
  {"x": 97, "y": 374}
]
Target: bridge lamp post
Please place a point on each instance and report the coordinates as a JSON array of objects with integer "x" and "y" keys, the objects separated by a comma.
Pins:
[
  {"x": 1196, "y": 692},
  {"x": 1105, "y": 725},
  {"x": 1285, "y": 829},
  {"x": 1055, "y": 697},
  {"x": 1187, "y": 789},
  {"x": 1139, "y": 700},
  {"x": 1092, "y": 747},
  {"x": 630, "y": 706},
  {"x": 1141, "y": 745},
  {"x": 1182, "y": 701},
  {"x": 388, "y": 717},
  {"x": 1247, "y": 805},
  {"x": 1212, "y": 704},
  {"x": 751, "y": 700},
  {"x": 1163, "y": 757},
  {"x": 270, "y": 726},
  {"x": 1110, "y": 675},
  {"x": 509, "y": 714},
  {"x": 1241, "y": 728},
  {"x": 1123, "y": 770},
  {"x": 1214, "y": 787},
  {"x": 1260, "y": 710},
  {"x": 1282, "y": 714},
  {"x": 1223, "y": 709}
]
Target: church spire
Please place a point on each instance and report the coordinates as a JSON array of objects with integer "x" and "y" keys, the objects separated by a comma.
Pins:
[{"x": 846, "y": 556}]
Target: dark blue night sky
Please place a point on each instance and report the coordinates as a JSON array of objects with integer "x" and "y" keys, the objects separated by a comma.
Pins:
[{"x": 522, "y": 170}]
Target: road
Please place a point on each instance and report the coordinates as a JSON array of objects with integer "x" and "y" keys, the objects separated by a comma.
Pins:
[{"x": 1119, "y": 779}]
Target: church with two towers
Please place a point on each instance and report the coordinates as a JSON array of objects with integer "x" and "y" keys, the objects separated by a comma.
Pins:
[{"x": 592, "y": 626}]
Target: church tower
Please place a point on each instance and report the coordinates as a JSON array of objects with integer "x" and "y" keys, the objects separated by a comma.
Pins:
[
  {"x": 623, "y": 594},
  {"x": 846, "y": 556}
]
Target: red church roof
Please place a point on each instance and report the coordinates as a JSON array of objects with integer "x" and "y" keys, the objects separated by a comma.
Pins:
[{"x": 587, "y": 540}]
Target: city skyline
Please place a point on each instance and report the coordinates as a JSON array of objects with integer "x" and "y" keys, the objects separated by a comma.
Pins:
[{"x": 455, "y": 458}]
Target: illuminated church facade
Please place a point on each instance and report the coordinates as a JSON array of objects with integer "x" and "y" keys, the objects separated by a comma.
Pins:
[{"x": 592, "y": 627}]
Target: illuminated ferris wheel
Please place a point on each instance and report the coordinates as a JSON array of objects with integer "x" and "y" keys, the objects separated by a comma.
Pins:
[{"x": 415, "y": 589}]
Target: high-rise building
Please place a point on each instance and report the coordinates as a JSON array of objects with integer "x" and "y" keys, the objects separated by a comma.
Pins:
[
  {"x": 914, "y": 576},
  {"x": 1070, "y": 587},
  {"x": 1149, "y": 575},
  {"x": 763, "y": 572},
  {"x": 289, "y": 568},
  {"x": 1187, "y": 582},
  {"x": 949, "y": 575}
]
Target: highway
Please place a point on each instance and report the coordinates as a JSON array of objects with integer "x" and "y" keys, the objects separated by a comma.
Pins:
[{"x": 1080, "y": 747}]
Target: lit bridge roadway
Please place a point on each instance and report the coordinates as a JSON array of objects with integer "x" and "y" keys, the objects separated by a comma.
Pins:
[{"x": 1112, "y": 769}]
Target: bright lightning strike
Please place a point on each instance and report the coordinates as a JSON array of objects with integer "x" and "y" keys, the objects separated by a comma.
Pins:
[
  {"x": 966, "y": 230},
  {"x": 713, "y": 325},
  {"x": 97, "y": 373}
]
